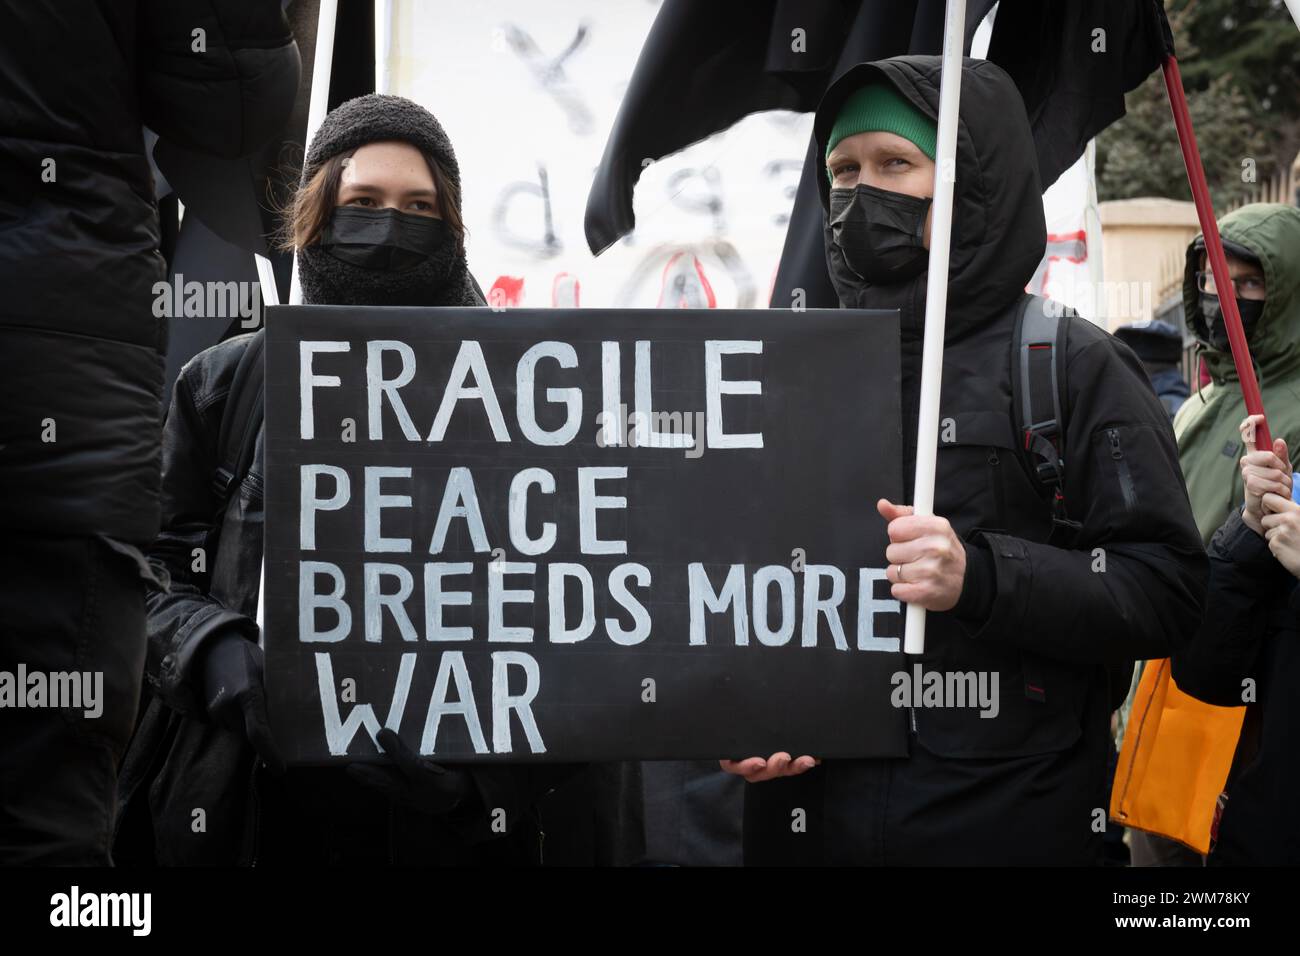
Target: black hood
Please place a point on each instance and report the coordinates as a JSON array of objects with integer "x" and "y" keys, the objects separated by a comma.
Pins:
[{"x": 999, "y": 233}]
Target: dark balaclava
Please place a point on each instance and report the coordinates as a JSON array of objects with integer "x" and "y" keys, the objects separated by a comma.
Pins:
[
  {"x": 1208, "y": 324},
  {"x": 383, "y": 256}
]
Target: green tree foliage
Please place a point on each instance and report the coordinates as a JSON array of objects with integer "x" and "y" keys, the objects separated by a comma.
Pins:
[{"x": 1240, "y": 63}]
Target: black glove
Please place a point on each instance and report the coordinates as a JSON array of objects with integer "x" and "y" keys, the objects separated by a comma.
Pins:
[
  {"x": 416, "y": 781},
  {"x": 230, "y": 673}
]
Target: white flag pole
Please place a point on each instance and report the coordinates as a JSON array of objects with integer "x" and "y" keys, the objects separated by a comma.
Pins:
[
  {"x": 383, "y": 45},
  {"x": 936, "y": 289},
  {"x": 1092, "y": 237},
  {"x": 266, "y": 280},
  {"x": 318, "y": 106}
]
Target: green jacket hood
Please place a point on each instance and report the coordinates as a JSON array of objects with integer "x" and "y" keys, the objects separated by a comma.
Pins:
[
  {"x": 1209, "y": 445},
  {"x": 1271, "y": 233}
]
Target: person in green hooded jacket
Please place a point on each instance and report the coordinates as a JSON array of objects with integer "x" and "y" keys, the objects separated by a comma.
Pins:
[
  {"x": 1262, "y": 242},
  {"x": 1248, "y": 637}
]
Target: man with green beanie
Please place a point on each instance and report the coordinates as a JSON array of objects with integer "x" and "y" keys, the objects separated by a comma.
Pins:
[{"x": 1007, "y": 572}]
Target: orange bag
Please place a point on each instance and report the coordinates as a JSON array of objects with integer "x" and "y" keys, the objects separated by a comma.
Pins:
[{"x": 1175, "y": 760}]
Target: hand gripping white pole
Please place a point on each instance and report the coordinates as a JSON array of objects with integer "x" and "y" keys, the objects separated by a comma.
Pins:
[{"x": 936, "y": 290}]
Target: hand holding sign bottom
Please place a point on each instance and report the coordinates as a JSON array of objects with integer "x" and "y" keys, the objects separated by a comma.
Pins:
[{"x": 756, "y": 769}]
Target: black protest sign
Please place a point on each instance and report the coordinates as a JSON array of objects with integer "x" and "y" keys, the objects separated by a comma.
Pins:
[{"x": 581, "y": 534}]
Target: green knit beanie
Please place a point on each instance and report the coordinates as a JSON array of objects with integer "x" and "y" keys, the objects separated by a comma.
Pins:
[{"x": 881, "y": 107}]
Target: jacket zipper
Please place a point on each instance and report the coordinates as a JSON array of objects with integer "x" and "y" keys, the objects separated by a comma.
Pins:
[{"x": 1121, "y": 466}]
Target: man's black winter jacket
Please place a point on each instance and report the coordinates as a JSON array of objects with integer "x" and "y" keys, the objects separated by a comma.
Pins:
[{"x": 1026, "y": 786}]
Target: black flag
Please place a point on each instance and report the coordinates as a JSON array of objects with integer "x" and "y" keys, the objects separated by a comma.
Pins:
[
  {"x": 1073, "y": 62},
  {"x": 705, "y": 66}
]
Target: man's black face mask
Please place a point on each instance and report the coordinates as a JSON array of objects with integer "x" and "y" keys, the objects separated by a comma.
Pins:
[
  {"x": 881, "y": 234},
  {"x": 385, "y": 240},
  {"x": 1250, "y": 309}
]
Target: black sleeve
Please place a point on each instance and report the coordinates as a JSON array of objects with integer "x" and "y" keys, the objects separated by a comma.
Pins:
[
  {"x": 183, "y": 617},
  {"x": 217, "y": 76},
  {"x": 979, "y": 586},
  {"x": 1246, "y": 582},
  {"x": 1132, "y": 585}
]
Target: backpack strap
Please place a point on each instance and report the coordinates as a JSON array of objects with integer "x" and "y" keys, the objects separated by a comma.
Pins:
[
  {"x": 1038, "y": 388},
  {"x": 1040, "y": 401},
  {"x": 1038, "y": 352},
  {"x": 240, "y": 422}
]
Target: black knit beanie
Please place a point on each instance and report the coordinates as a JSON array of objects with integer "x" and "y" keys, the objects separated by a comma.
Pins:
[
  {"x": 374, "y": 118},
  {"x": 326, "y": 280}
]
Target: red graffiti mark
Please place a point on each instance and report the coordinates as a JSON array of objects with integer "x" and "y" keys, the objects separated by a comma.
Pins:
[
  {"x": 684, "y": 285},
  {"x": 1066, "y": 242},
  {"x": 566, "y": 291},
  {"x": 1079, "y": 235},
  {"x": 506, "y": 292}
]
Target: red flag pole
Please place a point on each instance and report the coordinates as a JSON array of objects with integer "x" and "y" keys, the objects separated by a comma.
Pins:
[{"x": 1214, "y": 250}]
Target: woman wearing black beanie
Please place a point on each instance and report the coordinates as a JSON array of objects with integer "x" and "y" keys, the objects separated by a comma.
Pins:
[{"x": 376, "y": 221}]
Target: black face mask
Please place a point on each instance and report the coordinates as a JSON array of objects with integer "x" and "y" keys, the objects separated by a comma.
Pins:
[
  {"x": 880, "y": 234},
  {"x": 386, "y": 240},
  {"x": 1216, "y": 328},
  {"x": 384, "y": 257}
]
